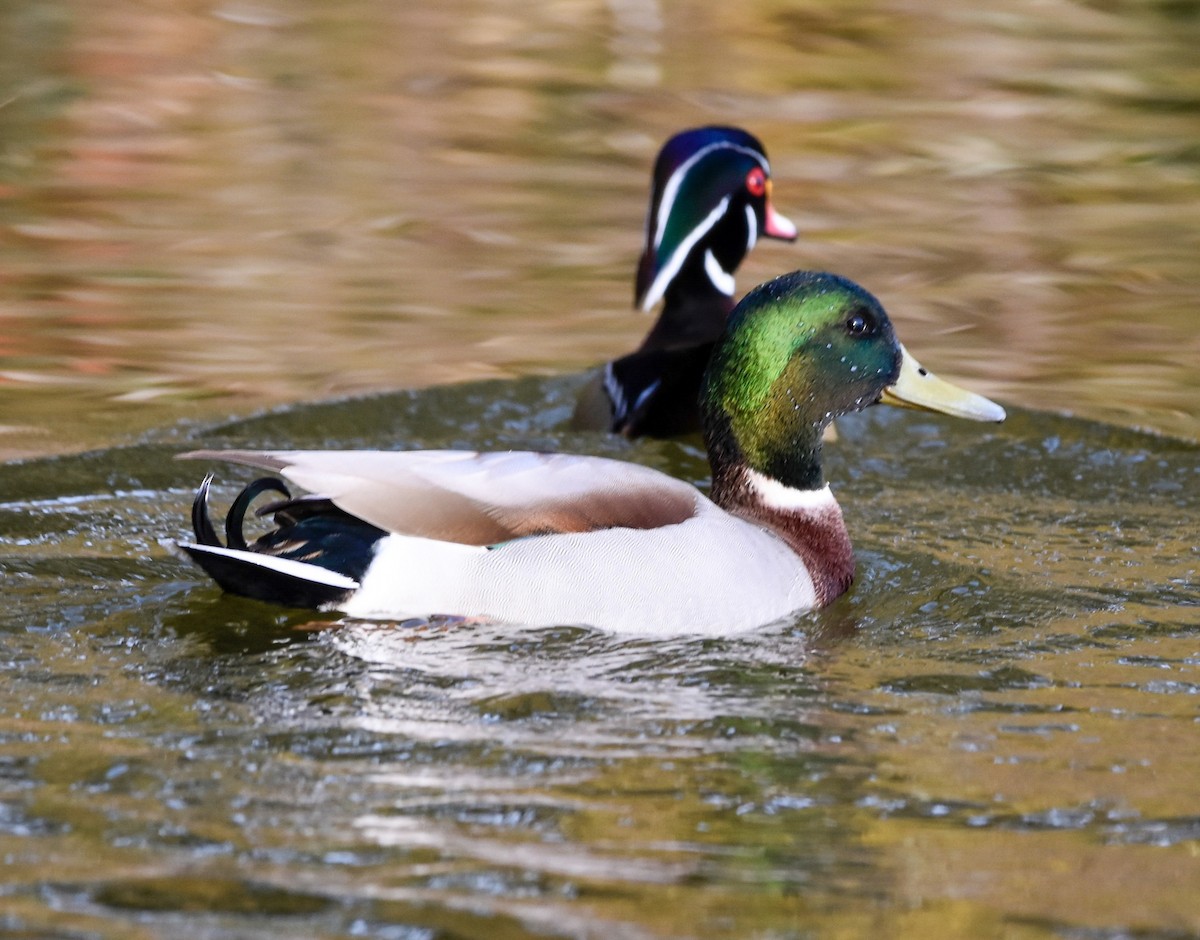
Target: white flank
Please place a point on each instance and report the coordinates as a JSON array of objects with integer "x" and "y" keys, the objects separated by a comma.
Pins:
[
  {"x": 721, "y": 279},
  {"x": 671, "y": 268},
  {"x": 778, "y": 496},
  {"x": 288, "y": 566},
  {"x": 751, "y": 228},
  {"x": 411, "y": 576},
  {"x": 713, "y": 574}
]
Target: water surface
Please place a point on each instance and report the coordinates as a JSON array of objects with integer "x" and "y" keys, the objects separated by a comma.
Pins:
[
  {"x": 992, "y": 734},
  {"x": 304, "y": 225}
]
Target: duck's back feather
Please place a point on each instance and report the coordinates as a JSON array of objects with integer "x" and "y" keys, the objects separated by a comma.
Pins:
[{"x": 480, "y": 499}]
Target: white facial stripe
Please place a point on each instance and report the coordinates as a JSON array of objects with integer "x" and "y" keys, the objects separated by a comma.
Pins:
[
  {"x": 671, "y": 190},
  {"x": 721, "y": 279},
  {"x": 675, "y": 262},
  {"x": 777, "y": 496},
  {"x": 751, "y": 228}
]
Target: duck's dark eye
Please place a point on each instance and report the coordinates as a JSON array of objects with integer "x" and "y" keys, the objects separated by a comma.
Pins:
[{"x": 860, "y": 323}]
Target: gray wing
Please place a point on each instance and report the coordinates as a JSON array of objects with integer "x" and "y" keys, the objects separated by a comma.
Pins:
[{"x": 480, "y": 499}]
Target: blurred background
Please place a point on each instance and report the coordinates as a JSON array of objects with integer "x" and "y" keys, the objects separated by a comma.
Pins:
[
  {"x": 221, "y": 221},
  {"x": 211, "y": 208}
]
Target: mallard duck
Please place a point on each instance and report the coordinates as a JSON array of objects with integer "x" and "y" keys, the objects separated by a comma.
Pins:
[
  {"x": 710, "y": 200},
  {"x": 541, "y": 539}
]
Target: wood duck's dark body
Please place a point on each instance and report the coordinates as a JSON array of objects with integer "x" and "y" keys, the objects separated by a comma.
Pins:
[
  {"x": 653, "y": 390},
  {"x": 693, "y": 314},
  {"x": 674, "y": 374}
]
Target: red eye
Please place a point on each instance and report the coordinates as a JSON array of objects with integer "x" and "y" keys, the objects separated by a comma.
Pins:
[{"x": 756, "y": 182}]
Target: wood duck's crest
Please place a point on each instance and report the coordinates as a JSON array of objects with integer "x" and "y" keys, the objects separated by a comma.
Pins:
[{"x": 709, "y": 204}]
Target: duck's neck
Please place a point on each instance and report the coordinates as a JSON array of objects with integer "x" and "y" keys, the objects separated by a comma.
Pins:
[
  {"x": 809, "y": 520},
  {"x": 693, "y": 312}
]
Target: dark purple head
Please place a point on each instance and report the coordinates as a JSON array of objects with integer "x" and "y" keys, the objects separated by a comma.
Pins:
[{"x": 709, "y": 204}]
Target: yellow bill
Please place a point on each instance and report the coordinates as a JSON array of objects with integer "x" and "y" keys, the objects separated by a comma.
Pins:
[{"x": 917, "y": 387}]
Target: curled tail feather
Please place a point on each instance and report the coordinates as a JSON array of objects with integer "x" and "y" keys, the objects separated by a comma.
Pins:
[{"x": 313, "y": 558}]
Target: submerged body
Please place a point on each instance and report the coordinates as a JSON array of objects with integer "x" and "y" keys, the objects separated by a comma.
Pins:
[{"x": 539, "y": 539}]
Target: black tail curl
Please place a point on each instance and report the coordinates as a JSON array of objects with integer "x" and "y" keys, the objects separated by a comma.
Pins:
[
  {"x": 236, "y": 517},
  {"x": 308, "y": 528}
]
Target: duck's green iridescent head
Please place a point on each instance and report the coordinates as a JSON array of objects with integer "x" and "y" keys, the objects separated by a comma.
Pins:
[{"x": 797, "y": 352}]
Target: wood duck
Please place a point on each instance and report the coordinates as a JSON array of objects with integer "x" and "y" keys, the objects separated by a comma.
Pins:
[
  {"x": 710, "y": 201},
  {"x": 548, "y": 539}
]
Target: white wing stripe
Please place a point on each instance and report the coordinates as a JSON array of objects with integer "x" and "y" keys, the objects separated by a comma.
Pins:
[{"x": 288, "y": 566}]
